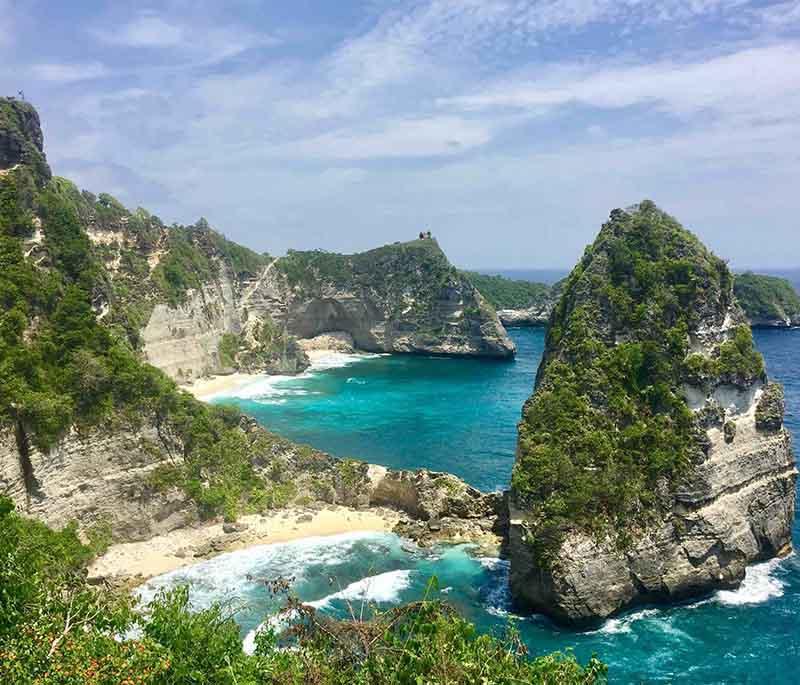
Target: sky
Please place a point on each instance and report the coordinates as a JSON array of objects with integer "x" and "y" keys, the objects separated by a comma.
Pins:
[{"x": 509, "y": 128}]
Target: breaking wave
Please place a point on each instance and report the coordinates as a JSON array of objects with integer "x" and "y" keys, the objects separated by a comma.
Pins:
[{"x": 759, "y": 585}]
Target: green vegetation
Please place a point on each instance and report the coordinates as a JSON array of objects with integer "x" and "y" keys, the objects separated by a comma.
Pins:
[
  {"x": 56, "y": 630},
  {"x": 19, "y": 129},
  {"x": 767, "y": 298},
  {"x": 737, "y": 361},
  {"x": 59, "y": 367},
  {"x": 506, "y": 293},
  {"x": 228, "y": 349},
  {"x": 408, "y": 277},
  {"x": 608, "y": 426}
]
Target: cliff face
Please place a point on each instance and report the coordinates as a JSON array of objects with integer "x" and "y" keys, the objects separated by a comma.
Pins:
[
  {"x": 404, "y": 297},
  {"x": 97, "y": 479},
  {"x": 108, "y": 479},
  {"x": 652, "y": 462},
  {"x": 199, "y": 308}
]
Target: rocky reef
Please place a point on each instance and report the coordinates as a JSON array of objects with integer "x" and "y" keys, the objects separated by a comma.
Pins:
[
  {"x": 768, "y": 301},
  {"x": 652, "y": 460}
]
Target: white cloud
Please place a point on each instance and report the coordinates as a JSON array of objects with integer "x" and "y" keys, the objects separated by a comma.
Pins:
[
  {"x": 145, "y": 31},
  {"x": 68, "y": 73},
  {"x": 425, "y": 137},
  {"x": 783, "y": 15},
  {"x": 755, "y": 82}
]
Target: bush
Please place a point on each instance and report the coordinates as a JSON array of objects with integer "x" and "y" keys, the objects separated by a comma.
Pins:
[{"x": 54, "y": 630}]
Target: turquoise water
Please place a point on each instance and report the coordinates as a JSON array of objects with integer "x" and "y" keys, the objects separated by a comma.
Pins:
[
  {"x": 406, "y": 411},
  {"x": 459, "y": 415}
]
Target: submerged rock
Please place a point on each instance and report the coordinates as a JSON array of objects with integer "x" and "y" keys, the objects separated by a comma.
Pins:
[{"x": 644, "y": 472}]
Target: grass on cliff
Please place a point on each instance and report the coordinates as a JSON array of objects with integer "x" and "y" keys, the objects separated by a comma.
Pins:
[
  {"x": 767, "y": 297},
  {"x": 608, "y": 432},
  {"x": 56, "y": 630},
  {"x": 406, "y": 278}
]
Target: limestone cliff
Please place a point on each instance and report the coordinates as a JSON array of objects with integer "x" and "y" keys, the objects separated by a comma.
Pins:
[
  {"x": 404, "y": 297},
  {"x": 198, "y": 304},
  {"x": 111, "y": 478},
  {"x": 652, "y": 461}
]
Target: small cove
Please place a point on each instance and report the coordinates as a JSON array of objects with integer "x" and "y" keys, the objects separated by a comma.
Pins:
[{"x": 460, "y": 416}]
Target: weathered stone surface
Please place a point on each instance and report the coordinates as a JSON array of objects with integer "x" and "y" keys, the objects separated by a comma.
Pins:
[
  {"x": 735, "y": 503},
  {"x": 770, "y": 408},
  {"x": 537, "y": 315},
  {"x": 336, "y": 341},
  {"x": 736, "y": 508},
  {"x": 99, "y": 478},
  {"x": 102, "y": 478},
  {"x": 183, "y": 341}
]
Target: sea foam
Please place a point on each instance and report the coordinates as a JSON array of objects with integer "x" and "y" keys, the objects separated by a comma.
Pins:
[
  {"x": 224, "y": 577},
  {"x": 384, "y": 588},
  {"x": 759, "y": 585}
]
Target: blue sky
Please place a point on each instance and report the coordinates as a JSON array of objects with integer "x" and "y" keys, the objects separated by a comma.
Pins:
[{"x": 510, "y": 128}]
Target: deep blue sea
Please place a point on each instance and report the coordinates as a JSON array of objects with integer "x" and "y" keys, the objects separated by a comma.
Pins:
[{"x": 460, "y": 416}]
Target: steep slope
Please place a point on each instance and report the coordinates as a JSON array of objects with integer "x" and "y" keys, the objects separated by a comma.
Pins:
[
  {"x": 21, "y": 140},
  {"x": 652, "y": 461},
  {"x": 768, "y": 301}
]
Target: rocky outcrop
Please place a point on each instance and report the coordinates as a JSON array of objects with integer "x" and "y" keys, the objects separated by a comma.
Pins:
[
  {"x": 537, "y": 315},
  {"x": 728, "y": 498},
  {"x": 21, "y": 140},
  {"x": 108, "y": 479},
  {"x": 404, "y": 298}
]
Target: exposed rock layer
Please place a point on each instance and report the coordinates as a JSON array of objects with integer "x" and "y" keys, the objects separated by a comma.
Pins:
[
  {"x": 734, "y": 505},
  {"x": 104, "y": 478}
]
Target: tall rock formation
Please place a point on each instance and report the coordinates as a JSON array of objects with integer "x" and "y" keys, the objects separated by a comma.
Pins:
[
  {"x": 652, "y": 461},
  {"x": 21, "y": 140}
]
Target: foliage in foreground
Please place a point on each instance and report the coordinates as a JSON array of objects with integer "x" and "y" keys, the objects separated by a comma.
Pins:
[{"x": 55, "y": 630}]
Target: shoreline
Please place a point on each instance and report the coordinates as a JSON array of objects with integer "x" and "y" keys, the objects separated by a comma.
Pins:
[
  {"x": 129, "y": 564},
  {"x": 220, "y": 385}
]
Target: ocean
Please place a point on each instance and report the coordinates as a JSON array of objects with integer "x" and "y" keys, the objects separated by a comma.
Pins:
[{"x": 460, "y": 415}]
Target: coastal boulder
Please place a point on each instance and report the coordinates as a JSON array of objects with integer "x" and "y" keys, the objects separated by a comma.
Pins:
[{"x": 652, "y": 463}]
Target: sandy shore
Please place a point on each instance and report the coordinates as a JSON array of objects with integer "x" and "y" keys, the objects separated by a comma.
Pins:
[
  {"x": 134, "y": 562},
  {"x": 213, "y": 386},
  {"x": 207, "y": 388}
]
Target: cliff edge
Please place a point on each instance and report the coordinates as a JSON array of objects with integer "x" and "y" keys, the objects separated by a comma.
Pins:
[{"x": 652, "y": 461}]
